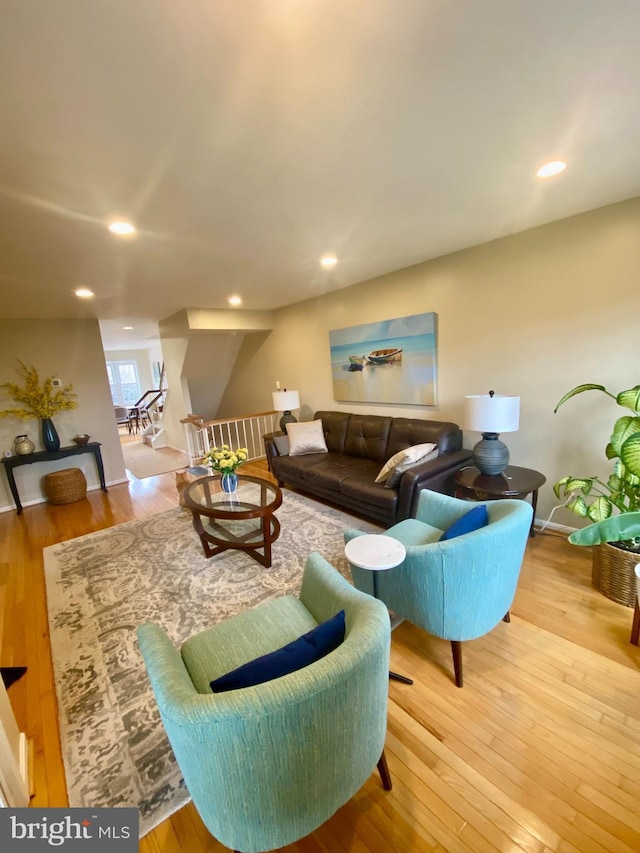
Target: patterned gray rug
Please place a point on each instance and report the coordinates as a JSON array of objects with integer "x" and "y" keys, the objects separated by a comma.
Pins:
[{"x": 100, "y": 587}]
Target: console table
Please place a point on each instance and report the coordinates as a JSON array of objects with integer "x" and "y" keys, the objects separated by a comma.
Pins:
[{"x": 48, "y": 456}]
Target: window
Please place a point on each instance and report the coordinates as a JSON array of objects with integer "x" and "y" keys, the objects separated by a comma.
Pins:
[{"x": 124, "y": 383}]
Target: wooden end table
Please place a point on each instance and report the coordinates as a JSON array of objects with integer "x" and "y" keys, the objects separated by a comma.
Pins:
[
  {"x": 377, "y": 553},
  {"x": 635, "y": 628},
  {"x": 514, "y": 482},
  {"x": 242, "y": 521}
]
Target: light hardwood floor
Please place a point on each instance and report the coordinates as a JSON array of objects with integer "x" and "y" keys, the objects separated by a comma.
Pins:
[{"x": 539, "y": 751}]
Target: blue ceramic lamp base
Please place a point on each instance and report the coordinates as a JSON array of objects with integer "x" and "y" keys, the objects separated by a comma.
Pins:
[
  {"x": 287, "y": 418},
  {"x": 490, "y": 455}
]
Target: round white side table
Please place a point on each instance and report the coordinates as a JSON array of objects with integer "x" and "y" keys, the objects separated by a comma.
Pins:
[{"x": 377, "y": 553}]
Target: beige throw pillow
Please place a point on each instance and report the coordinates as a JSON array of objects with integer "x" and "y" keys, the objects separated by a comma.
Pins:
[
  {"x": 394, "y": 477},
  {"x": 413, "y": 453},
  {"x": 306, "y": 437}
]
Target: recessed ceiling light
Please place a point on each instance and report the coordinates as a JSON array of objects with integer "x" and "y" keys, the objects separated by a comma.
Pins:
[
  {"x": 552, "y": 168},
  {"x": 127, "y": 328},
  {"x": 84, "y": 293},
  {"x": 235, "y": 300},
  {"x": 329, "y": 261},
  {"x": 121, "y": 227}
]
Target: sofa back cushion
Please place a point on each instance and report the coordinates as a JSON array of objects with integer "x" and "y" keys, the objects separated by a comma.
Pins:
[
  {"x": 367, "y": 437},
  {"x": 334, "y": 426},
  {"x": 405, "y": 432}
]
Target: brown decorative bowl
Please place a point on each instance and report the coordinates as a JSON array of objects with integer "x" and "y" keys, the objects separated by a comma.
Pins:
[{"x": 82, "y": 439}]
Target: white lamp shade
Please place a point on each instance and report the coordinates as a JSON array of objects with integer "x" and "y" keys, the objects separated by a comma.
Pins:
[
  {"x": 284, "y": 401},
  {"x": 497, "y": 413}
]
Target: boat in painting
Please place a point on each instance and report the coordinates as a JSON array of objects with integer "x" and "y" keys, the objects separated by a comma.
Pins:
[
  {"x": 357, "y": 362},
  {"x": 384, "y": 356}
]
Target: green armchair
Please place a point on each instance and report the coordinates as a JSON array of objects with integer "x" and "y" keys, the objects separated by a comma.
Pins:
[
  {"x": 266, "y": 765},
  {"x": 461, "y": 588}
]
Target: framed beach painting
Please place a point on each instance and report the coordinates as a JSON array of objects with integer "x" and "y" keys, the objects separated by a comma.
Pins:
[{"x": 392, "y": 361}]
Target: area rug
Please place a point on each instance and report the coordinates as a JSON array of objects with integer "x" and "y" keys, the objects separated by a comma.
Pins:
[
  {"x": 100, "y": 587},
  {"x": 144, "y": 461}
]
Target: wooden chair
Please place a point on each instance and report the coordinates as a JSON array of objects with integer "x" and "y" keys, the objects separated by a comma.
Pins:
[{"x": 122, "y": 417}]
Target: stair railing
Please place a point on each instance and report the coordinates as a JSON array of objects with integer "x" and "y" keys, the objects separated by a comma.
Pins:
[{"x": 246, "y": 431}]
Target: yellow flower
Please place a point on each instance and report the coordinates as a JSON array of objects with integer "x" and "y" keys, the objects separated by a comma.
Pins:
[
  {"x": 225, "y": 460},
  {"x": 37, "y": 400}
]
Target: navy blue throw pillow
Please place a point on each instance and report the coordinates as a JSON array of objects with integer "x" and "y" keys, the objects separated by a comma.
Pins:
[
  {"x": 308, "y": 648},
  {"x": 470, "y": 521}
]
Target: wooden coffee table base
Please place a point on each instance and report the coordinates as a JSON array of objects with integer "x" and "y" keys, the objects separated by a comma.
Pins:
[
  {"x": 212, "y": 545},
  {"x": 242, "y": 521}
]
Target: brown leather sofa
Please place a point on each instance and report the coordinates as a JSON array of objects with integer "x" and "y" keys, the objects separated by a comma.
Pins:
[{"x": 358, "y": 446}]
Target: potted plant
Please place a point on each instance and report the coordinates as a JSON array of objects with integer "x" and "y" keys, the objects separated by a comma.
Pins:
[
  {"x": 613, "y": 506},
  {"x": 41, "y": 400}
]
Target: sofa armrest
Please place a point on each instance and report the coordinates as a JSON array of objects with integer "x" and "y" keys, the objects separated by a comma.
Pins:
[
  {"x": 430, "y": 474},
  {"x": 270, "y": 447}
]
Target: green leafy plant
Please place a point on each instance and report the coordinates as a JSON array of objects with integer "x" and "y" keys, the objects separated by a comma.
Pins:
[
  {"x": 621, "y": 491},
  {"x": 225, "y": 460},
  {"x": 618, "y": 528},
  {"x": 36, "y": 399}
]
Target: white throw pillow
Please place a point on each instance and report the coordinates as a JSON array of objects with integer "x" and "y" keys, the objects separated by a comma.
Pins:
[
  {"x": 413, "y": 453},
  {"x": 306, "y": 437}
]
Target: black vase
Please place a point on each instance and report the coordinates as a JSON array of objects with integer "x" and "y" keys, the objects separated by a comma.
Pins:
[{"x": 50, "y": 437}]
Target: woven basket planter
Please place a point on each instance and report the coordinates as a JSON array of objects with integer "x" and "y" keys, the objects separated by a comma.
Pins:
[
  {"x": 66, "y": 486},
  {"x": 613, "y": 573}
]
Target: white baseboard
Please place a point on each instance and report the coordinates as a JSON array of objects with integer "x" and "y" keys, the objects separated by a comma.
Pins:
[
  {"x": 543, "y": 524},
  {"x": 42, "y": 500}
]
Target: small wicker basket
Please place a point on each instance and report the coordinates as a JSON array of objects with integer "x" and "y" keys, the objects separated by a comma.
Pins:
[
  {"x": 613, "y": 573},
  {"x": 66, "y": 486}
]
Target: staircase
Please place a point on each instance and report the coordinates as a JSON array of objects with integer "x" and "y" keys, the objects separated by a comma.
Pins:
[
  {"x": 154, "y": 434},
  {"x": 246, "y": 431},
  {"x": 150, "y": 407}
]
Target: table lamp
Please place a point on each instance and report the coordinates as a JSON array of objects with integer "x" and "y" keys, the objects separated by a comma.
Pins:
[
  {"x": 491, "y": 414},
  {"x": 284, "y": 401}
]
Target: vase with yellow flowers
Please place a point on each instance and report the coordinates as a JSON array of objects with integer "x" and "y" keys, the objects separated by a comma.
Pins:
[
  {"x": 39, "y": 399},
  {"x": 225, "y": 461}
]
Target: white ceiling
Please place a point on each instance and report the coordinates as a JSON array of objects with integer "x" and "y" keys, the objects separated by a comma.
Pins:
[{"x": 248, "y": 137}]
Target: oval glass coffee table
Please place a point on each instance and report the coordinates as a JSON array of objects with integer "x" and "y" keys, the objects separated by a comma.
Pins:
[{"x": 243, "y": 520}]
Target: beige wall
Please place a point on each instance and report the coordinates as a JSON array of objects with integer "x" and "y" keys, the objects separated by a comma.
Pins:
[
  {"x": 208, "y": 363},
  {"x": 174, "y": 335},
  {"x": 72, "y": 350},
  {"x": 533, "y": 314},
  {"x": 200, "y": 348}
]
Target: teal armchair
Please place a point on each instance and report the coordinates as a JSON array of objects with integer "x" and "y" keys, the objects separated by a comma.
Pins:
[
  {"x": 461, "y": 588},
  {"x": 268, "y": 764}
]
